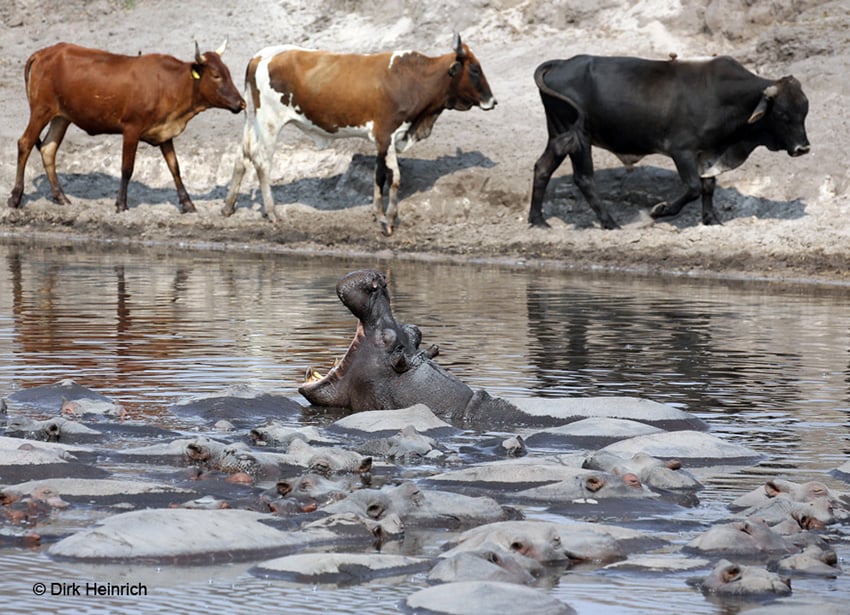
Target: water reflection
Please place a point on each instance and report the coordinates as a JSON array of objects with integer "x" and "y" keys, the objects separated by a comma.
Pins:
[
  {"x": 151, "y": 326},
  {"x": 766, "y": 365}
]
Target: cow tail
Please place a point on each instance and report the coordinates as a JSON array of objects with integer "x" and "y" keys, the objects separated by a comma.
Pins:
[
  {"x": 27, "y": 71},
  {"x": 563, "y": 115}
]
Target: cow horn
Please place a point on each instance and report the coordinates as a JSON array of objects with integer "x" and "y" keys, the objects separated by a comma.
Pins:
[
  {"x": 767, "y": 95},
  {"x": 199, "y": 59},
  {"x": 220, "y": 50},
  {"x": 458, "y": 45}
]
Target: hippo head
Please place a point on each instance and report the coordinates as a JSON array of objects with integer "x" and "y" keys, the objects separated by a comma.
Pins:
[{"x": 383, "y": 367}]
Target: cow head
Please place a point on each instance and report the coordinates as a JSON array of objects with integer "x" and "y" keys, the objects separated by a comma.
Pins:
[
  {"x": 469, "y": 86},
  {"x": 783, "y": 108},
  {"x": 215, "y": 86}
]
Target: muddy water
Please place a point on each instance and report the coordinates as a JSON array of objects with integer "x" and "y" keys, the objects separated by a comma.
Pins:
[{"x": 765, "y": 365}]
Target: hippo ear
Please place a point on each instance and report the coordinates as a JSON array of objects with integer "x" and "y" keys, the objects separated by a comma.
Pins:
[
  {"x": 730, "y": 573},
  {"x": 768, "y": 95}
]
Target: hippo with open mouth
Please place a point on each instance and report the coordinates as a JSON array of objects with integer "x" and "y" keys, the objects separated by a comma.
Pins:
[{"x": 384, "y": 368}]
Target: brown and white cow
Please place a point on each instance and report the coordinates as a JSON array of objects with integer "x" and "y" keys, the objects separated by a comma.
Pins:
[
  {"x": 392, "y": 99},
  {"x": 146, "y": 98}
]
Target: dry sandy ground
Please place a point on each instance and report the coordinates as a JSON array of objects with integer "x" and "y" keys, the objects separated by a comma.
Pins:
[{"x": 465, "y": 190}]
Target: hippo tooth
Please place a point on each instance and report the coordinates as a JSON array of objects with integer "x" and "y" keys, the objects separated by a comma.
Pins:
[{"x": 313, "y": 375}]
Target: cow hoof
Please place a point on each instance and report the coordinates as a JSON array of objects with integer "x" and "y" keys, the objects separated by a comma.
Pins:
[
  {"x": 539, "y": 223},
  {"x": 659, "y": 211},
  {"x": 188, "y": 209},
  {"x": 227, "y": 211}
]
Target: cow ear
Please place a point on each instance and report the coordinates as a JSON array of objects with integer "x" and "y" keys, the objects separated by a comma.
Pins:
[
  {"x": 454, "y": 68},
  {"x": 196, "y": 70},
  {"x": 768, "y": 95}
]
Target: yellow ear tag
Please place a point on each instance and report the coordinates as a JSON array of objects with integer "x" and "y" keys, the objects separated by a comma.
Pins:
[{"x": 195, "y": 74}]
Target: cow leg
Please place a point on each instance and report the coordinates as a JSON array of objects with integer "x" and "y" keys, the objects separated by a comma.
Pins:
[
  {"x": 236, "y": 181},
  {"x": 709, "y": 215},
  {"x": 167, "y": 149},
  {"x": 583, "y": 178},
  {"x": 25, "y": 144},
  {"x": 48, "y": 148},
  {"x": 378, "y": 189},
  {"x": 394, "y": 178},
  {"x": 689, "y": 173},
  {"x": 250, "y": 143},
  {"x": 548, "y": 162},
  {"x": 128, "y": 161}
]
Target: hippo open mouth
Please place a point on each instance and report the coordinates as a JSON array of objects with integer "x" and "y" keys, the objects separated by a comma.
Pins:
[{"x": 383, "y": 368}]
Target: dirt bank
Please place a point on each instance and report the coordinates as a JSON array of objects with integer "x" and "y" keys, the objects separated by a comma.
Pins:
[{"x": 465, "y": 190}]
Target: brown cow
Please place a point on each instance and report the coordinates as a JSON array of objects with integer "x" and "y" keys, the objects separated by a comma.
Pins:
[
  {"x": 393, "y": 99},
  {"x": 146, "y": 98}
]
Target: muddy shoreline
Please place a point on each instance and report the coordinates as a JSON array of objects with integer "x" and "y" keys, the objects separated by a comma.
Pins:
[
  {"x": 465, "y": 191},
  {"x": 806, "y": 270}
]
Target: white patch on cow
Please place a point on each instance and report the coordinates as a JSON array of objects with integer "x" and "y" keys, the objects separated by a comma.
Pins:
[
  {"x": 401, "y": 139},
  {"x": 697, "y": 59},
  {"x": 397, "y": 55},
  {"x": 273, "y": 114}
]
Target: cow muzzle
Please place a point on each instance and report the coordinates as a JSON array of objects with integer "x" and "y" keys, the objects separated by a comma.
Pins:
[
  {"x": 488, "y": 104},
  {"x": 799, "y": 150}
]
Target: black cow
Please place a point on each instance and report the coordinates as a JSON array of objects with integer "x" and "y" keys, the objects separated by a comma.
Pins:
[{"x": 706, "y": 115}]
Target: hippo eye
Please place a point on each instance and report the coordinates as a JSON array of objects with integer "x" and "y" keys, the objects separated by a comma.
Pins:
[
  {"x": 321, "y": 466},
  {"x": 306, "y": 485},
  {"x": 517, "y": 546},
  {"x": 375, "y": 511}
]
